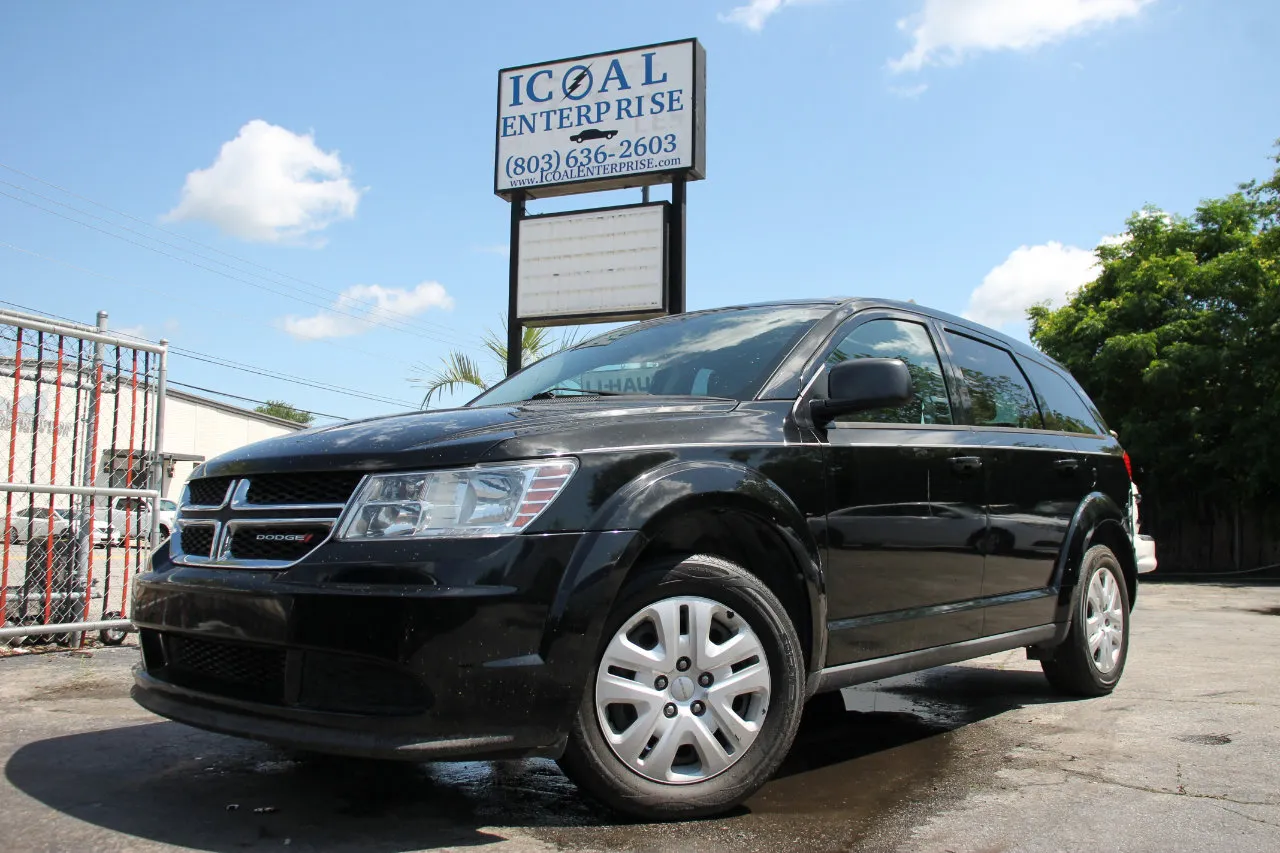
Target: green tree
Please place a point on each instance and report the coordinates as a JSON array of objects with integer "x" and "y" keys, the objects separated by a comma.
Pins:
[
  {"x": 460, "y": 370},
  {"x": 1178, "y": 342},
  {"x": 281, "y": 409}
]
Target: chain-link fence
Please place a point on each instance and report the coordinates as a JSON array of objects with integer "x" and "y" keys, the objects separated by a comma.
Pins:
[{"x": 81, "y": 415}]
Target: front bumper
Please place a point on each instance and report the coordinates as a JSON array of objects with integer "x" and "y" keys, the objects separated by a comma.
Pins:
[{"x": 403, "y": 650}]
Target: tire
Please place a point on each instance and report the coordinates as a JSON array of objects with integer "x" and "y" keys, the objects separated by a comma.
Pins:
[
  {"x": 704, "y": 597},
  {"x": 13, "y": 538},
  {"x": 164, "y": 532},
  {"x": 1076, "y": 668},
  {"x": 111, "y": 636}
]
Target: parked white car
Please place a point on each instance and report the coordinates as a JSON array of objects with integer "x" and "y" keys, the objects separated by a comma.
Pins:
[
  {"x": 30, "y": 523},
  {"x": 1144, "y": 546},
  {"x": 133, "y": 515}
]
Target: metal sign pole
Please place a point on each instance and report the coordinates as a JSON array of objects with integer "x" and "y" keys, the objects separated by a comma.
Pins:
[
  {"x": 515, "y": 334},
  {"x": 675, "y": 273}
]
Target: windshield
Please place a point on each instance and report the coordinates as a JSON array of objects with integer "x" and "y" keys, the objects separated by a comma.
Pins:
[{"x": 714, "y": 354}]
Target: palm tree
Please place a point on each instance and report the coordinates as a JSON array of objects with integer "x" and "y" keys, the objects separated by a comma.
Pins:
[{"x": 459, "y": 370}]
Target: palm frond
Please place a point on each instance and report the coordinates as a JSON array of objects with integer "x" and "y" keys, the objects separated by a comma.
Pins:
[
  {"x": 457, "y": 370},
  {"x": 535, "y": 343}
]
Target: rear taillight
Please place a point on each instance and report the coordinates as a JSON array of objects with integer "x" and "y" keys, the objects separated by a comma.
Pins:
[{"x": 1128, "y": 466}]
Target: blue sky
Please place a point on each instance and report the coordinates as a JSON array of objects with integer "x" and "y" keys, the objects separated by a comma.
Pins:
[{"x": 968, "y": 154}]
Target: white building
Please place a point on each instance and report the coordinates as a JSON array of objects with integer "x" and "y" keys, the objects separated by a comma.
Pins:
[
  {"x": 46, "y": 434},
  {"x": 198, "y": 428}
]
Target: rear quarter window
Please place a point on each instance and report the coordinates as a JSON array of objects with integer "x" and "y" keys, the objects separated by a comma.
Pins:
[{"x": 1064, "y": 408}]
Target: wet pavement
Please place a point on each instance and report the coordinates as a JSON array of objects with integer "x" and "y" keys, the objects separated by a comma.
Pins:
[{"x": 976, "y": 757}]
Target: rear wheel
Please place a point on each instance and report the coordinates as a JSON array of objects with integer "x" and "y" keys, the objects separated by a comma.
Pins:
[
  {"x": 1091, "y": 660},
  {"x": 12, "y": 538},
  {"x": 695, "y": 697}
]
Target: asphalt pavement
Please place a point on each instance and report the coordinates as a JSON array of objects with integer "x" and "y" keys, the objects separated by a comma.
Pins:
[{"x": 979, "y": 757}]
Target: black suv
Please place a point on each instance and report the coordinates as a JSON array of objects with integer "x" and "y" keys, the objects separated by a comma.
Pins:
[{"x": 643, "y": 555}]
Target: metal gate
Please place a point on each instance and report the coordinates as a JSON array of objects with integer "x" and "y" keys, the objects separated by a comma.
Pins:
[{"x": 81, "y": 433}]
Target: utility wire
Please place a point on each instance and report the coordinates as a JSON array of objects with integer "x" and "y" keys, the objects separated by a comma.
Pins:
[
  {"x": 328, "y": 292},
  {"x": 166, "y": 295},
  {"x": 251, "y": 400},
  {"x": 251, "y": 283},
  {"x": 247, "y": 368},
  {"x": 218, "y": 309}
]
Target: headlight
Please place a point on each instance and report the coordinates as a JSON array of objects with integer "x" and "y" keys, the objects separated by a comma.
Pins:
[{"x": 487, "y": 500}]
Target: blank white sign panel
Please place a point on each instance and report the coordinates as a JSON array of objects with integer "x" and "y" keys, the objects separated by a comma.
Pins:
[{"x": 601, "y": 263}]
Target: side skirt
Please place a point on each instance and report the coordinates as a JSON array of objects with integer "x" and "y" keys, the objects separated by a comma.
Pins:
[{"x": 860, "y": 672}]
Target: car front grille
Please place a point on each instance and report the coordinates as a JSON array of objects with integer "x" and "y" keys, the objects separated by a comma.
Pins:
[
  {"x": 208, "y": 491},
  {"x": 275, "y": 541},
  {"x": 197, "y": 540},
  {"x": 292, "y": 489},
  {"x": 271, "y": 521}
]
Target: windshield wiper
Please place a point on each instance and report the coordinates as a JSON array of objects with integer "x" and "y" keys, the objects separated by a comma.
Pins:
[{"x": 549, "y": 395}]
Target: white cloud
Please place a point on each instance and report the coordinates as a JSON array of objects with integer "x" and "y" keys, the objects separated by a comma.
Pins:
[
  {"x": 946, "y": 31},
  {"x": 360, "y": 307},
  {"x": 1030, "y": 275},
  {"x": 269, "y": 185},
  {"x": 909, "y": 92},
  {"x": 753, "y": 15}
]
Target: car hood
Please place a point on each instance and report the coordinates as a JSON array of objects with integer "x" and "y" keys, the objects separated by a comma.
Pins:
[{"x": 450, "y": 437}]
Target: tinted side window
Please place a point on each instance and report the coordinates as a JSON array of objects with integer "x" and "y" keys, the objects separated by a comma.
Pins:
[
  {"x": 998, "y": 392},
  {"x": 1062, "y": 407},
  {"x": 911, "y": 343}
]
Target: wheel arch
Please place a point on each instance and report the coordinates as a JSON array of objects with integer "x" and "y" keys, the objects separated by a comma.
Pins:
[
  {"x": 1098, "y": 520},
  {"x": 733, "y": 512}
]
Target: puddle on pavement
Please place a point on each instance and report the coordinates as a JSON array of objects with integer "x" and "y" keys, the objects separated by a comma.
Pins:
[{"x": 853, "y": 779}]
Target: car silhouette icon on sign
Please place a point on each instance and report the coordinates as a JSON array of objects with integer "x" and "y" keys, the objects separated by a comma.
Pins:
[{"x": 592, "y": 133}]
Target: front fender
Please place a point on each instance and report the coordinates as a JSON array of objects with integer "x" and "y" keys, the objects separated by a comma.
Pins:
[{"x": 588, "y": 589}]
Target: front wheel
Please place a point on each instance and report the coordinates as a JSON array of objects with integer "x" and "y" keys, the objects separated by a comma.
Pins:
[
  {"x": 694, "y": 698},
  {"x": 1090, "y": 661}
]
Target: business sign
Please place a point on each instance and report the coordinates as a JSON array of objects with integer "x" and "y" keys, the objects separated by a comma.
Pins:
[
  {"x": 593, "y": 265},
  {"x": 605, "y": 121}
]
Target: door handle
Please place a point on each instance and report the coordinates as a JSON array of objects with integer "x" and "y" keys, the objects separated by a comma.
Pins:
[
  {"x": 1066, "y": 466},
  {"x": 966, "y": 465}
]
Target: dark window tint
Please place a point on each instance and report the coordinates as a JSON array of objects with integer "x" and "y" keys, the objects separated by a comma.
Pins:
[
  {"x": 911, "y": 343},
  {"x": 1062, "y": 407},
  {"x": 998, "y": 392}
]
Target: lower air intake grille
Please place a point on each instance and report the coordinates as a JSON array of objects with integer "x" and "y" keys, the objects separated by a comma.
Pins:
[
  {"x": 197, "y": 540},
  {"x": 353, "y": 685},
  {"x": 276, "y": 542},
  {"x": 249, "y": 672}
]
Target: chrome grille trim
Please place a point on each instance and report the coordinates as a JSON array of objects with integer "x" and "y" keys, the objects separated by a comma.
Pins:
[
  {"x": 175, "y": 541},
  {"x": 254, "y": 515},
  {"x": 223, "y": 548}
]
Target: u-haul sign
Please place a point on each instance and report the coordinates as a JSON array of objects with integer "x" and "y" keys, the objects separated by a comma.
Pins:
[{"x": 606, "y": 121}]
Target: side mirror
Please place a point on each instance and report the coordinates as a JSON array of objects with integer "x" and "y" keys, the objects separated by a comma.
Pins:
[{"x": 861, "y": 384}]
